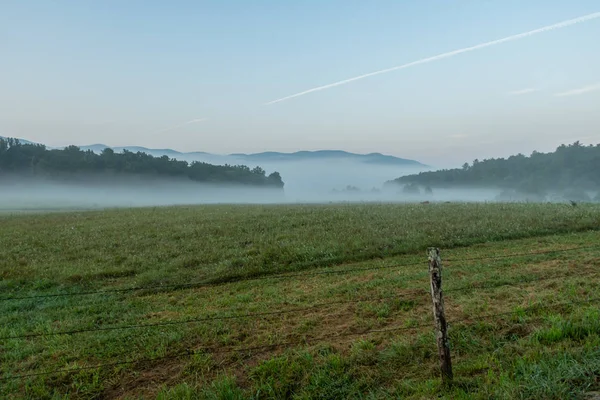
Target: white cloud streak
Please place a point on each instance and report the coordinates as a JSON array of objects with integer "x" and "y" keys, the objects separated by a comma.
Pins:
[
  {"x": 522, "y": 92},
  {"x": 574, "y": 92},
  {"x": 559, "y": 25},
  {"x": 193, "y": 121}
]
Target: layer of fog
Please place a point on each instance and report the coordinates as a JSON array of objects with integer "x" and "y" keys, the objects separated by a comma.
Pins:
[
  {"x": 323, "y": 181},
  {"x": 305, "y": 182},
  {"x": 49, "y": 195},
  {"x": 55, "y": 196}
]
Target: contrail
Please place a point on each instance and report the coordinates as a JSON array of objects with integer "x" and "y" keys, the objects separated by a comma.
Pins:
[
  {"x": 559, "y": 25},
  {"x": 586, "y": 89},
  {"x": 180, "y": 125}
]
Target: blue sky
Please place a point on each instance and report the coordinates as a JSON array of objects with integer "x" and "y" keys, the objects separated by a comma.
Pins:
[{"x": 126, "y": 72}]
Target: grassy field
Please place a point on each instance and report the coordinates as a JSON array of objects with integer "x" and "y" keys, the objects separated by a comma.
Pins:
[{"x": 272, "y": 302}]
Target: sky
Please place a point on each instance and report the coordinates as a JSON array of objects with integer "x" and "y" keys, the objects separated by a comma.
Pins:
[{"x": 203, "y": 75}]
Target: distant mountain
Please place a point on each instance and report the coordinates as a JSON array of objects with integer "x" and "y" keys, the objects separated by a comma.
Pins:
[
  {"x": 135, "y": 149},
  {"x": 371, "y": 158},
  {"x": 265, "y": 157},
  {"x": 19, "y": 139},
  {"x": 19, "y": 160}
]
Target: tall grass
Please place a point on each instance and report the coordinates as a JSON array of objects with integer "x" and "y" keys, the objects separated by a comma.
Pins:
[
  {"x": 221, "y": 243},
  {"x": 551, "y": 353}
]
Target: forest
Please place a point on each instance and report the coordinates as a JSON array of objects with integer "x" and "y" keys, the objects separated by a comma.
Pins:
[
  {"x": 72, "y": 163},
  {"x": 571, "y": 170}
]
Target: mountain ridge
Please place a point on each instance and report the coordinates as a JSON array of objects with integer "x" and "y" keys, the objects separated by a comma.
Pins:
[{"x": 266, "y": 156}]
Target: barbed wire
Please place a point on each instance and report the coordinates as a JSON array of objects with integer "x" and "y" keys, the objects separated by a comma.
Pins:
[
  {"x": 213, "y": 350},
  {"x": 471, "y": 287},
  {"x": 191, "y": 352},
  {"x": 211, "y": 283},
  {"x": 466, "y": 288},
  {"x": 515, "y": 255},
  {"x": 225, "y": 280},
  {"x": 205, "y": 319}
]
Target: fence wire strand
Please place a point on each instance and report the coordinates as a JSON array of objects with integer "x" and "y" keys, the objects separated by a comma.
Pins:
[
  {"x": 206, "y": 319},
  {"x": 211, "y": 283},
  {"x": 466, "y": 288},
  {"x": 191, "y": 352},
  {"x": 516, "y": 255},
  {"x": 280, "y": 276}
]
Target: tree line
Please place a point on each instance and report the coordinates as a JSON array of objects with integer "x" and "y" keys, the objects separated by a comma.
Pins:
[
  {"x": 36, "y": 160},
  {"x": 571, "y": 169}
]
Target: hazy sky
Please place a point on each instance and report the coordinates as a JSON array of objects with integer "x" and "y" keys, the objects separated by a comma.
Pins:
[{"x": 126, "y": 72}]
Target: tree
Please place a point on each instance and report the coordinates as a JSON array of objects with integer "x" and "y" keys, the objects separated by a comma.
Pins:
[
  {"x": 569, "y": 167},
  {"x": 72, "y": 161},
  {"x": 258, "y": 171},
  {"x": 275, "y": 179}
]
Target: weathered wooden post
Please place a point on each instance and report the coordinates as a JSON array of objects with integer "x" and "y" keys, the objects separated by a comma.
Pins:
[{"x": 441, "y": 326}]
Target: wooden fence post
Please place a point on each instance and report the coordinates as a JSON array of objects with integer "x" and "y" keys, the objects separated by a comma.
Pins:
[{"x": 441, "y": 326}]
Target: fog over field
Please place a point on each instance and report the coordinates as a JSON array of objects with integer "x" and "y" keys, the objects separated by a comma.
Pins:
[
  {"x": 46, "y": 195},
  {"x": 55, "y": 196},
  {"x": 317, "y": 180},
  {"x": 320, "y": 181},
  {"x": 341, "y": 180},
  {"x": 313, "y": 180}
]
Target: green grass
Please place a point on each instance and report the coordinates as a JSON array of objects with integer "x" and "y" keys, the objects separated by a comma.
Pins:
[
  {"x": 220, "y": 243},
  {"x": 526, "y": 352}
]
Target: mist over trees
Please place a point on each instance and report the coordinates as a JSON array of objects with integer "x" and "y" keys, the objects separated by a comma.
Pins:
[
  {"x": 571, "y": 170},
  {"x": 35, "y": 160}
]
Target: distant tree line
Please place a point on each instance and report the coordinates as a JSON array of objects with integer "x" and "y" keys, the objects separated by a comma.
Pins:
[
  {"x": 571, "y": 169},
  {"x": 37, "y": 161}
]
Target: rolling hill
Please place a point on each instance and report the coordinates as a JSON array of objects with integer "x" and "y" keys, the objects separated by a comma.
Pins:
[{"x": 264, "y": 157}]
